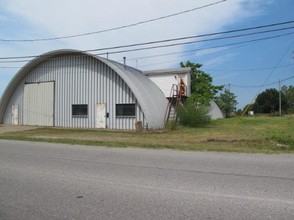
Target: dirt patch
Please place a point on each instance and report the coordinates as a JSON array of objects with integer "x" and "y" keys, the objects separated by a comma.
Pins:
[
  {"x": 11, "y": 128},
  {"x": 224, "y": 140}
]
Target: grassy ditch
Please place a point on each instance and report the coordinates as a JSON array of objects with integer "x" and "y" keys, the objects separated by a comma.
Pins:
[{"x": 250, "y": 135}]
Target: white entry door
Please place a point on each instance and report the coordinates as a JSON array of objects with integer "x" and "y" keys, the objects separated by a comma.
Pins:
[
  {"x": 100, "y": 115},
  {"x": 14, "y": 114}
]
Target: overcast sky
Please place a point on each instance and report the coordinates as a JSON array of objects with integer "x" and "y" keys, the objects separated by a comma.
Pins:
[{"x": 239, "y": 65}]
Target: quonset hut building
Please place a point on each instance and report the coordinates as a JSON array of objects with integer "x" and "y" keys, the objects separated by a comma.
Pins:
[{"x": 69, "y": 88}]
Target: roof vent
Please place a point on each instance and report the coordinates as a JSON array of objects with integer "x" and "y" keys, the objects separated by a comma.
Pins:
[{"x": 125, "y": 65}]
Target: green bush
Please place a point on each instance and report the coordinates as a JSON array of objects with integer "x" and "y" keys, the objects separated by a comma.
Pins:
[
  {"x": 171, "y": 125},
  {"x": 191, "y": 116}
]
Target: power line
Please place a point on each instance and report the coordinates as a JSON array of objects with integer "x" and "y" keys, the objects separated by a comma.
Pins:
[
  {"x": 253, "y": 86},
  {"x": 199, "y": 49},
  {"x": 116, "y": 28},
  {"x": 286, "y": 79},
  {"x": 247, "y": 70},
  {"x": 281, "y": 58},
  {"x": 262, "y": 85},
  {"x": 231, "y": 44},
  {"x": 171, "y": 53},
  {"x": 212, "y": 39},
  {"x": 14, "y": 61},
  {"x": 165, "y": 41},
  {"x": 193, "y": 42}
]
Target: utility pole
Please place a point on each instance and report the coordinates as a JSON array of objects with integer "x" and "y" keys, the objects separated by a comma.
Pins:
[
  {"x": 280, "y": 99},
  {"x": 230, "y": 99}
]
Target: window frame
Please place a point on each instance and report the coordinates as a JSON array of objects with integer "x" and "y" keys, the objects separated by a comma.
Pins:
[
  {"x": 79, "y": 115},
  {"x": 124, "y": 115}
]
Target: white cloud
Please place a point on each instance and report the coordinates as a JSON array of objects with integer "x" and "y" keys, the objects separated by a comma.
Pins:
[
  {"x": 219, "y": 59},
  {"x": 224, "y": 76},
  {"x": 66, "y": 17}
]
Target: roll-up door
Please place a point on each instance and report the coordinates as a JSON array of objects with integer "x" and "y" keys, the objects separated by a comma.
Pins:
[{"x": 39, "y": 104}]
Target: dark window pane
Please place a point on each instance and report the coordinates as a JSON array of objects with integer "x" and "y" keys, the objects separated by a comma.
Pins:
[
  {"x": 125, "y": 110},
  {"x": 79, "y": 110}
]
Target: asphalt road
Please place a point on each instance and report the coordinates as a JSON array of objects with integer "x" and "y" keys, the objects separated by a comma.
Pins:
[{"x": 52, "y": 181}]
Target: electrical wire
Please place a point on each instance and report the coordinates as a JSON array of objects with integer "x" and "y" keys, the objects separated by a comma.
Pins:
[
  {"x": 262, "y": 85},
  {"x": 199, "y": 49},
  {"x": 270, "y": 74},
  {"x": 231, "y": 44},
  {"x": 247, "y": 70},
  {"x": 115, "y": 28},
  {"x": 162, "y": 41}
]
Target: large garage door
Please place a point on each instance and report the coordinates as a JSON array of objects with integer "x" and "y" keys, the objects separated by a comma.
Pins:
[{"x": 38, "y": 104}]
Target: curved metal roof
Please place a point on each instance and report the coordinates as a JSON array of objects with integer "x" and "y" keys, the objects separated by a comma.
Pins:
[{"x": 148, "y": 95}]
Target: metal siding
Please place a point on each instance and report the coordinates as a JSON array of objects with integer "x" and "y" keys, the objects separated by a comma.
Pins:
[
  {"x": 15, "y": 100},
  {"x": 148, "y": 95},
  {"x": 91, "y": 82},
  {"x": 214, "y": 111}
]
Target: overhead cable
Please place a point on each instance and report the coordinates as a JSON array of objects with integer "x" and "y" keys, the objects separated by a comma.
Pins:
[
  {"x": 247, "y": 70},
  {"x": 115, "y": 28},
  {"x": 199, "y": 49},
  {"x": 164, "y": 41},
  {"x": 193, "y": 42},
  {"x": 261, "y": 85}
]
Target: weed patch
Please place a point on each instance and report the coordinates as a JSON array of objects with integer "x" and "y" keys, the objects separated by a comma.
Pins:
[{"x": 251, "y": 135}]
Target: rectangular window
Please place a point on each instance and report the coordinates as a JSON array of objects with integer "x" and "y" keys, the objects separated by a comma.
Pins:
[
  {"x": 79, "y": 110},
  {"x": 125, "y": 110}
]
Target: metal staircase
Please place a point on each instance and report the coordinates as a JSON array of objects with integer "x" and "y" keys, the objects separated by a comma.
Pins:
[{"x": 177, "y": 93}]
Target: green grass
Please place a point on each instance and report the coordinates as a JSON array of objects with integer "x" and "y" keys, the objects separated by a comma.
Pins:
[{"x": 250, "y": 135}]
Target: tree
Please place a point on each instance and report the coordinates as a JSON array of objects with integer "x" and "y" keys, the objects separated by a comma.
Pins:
[
  {"x": 227, "y": 102},
  {"x": 268, "y": 102},
  {"x": 202, "y": 90},
  {"x": 288, "y": 92}
]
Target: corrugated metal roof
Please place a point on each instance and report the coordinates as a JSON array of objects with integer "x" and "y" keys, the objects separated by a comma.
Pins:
[
  {"x": 214, "y": 111},
  {"x": 148, "y": 95}
]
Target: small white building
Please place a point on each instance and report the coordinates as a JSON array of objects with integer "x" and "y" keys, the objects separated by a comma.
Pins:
[{"x": 166, "y": 78}]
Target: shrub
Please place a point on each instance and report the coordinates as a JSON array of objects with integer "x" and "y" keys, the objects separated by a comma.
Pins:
[
  {"x": 192, "y": 116},
  {"x": 171, "y": 125}
]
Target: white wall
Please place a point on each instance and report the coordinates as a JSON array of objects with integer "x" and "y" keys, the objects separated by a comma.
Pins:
[{"x": 165, "y": 82}]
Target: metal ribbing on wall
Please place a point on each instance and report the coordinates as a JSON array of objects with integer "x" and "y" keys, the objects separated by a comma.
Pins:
[{"x": 79, "y": 80}]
